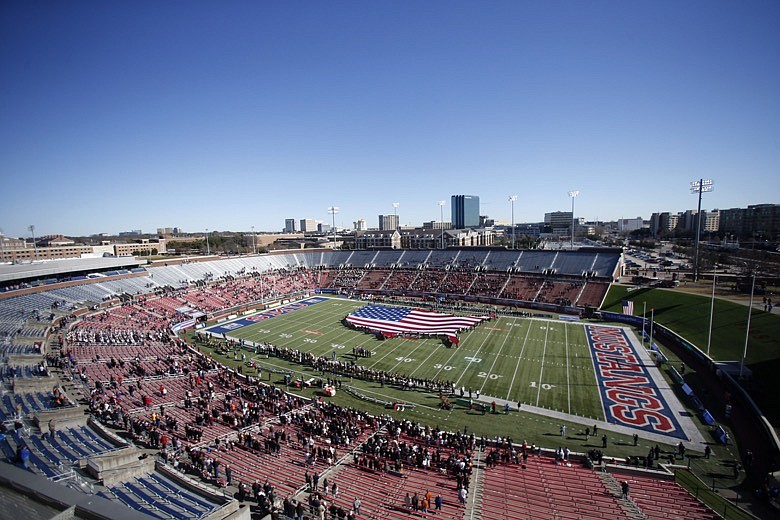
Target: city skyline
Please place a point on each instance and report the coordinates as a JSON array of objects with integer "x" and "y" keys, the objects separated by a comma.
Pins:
[
  {"x": 128, "y": 116},
  {"x": 314, "y": 224}
]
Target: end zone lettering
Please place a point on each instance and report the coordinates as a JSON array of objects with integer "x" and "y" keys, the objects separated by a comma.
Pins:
[{"x": 630, "y": 396}]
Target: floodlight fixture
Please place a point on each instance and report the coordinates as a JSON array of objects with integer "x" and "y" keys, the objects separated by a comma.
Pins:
[{"x": 703, "y": 185}]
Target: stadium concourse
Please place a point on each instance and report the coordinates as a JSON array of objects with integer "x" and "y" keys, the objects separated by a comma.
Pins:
[{"x": 108, "y": 414}]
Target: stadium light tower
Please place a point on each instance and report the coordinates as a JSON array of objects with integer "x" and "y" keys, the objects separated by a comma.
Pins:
[
  {"x": 208, "y": 248},
  {"x": 395, "y": 214},
  {"x": 31, "y": 227},
  {"x": 254, "y": 244},
  {"x": 700, "y": 186},
  {"x": 512, "y": 199},
  {"x": 573, "y": 195},
  {"x": 333, "y": 210},
  {"x": 441, "y": 221}
]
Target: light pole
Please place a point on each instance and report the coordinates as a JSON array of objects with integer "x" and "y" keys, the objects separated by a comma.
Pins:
[
  {"x": 208, "y": 248},
  {"x": 512, "y": 199},
  {"x": 712, "y": 307},
  {"x": 395, "y": 214},
  {"x": 573, "y": 195},
  {"x": 747, "y": 331},
  {"x": 441, "y": 221},
  {"x": 700, "y": 186},
  {"x": 333, "y": 210},
  {"x": 35, "y": 246},
  {"x": 2, "y": 246},
  {"x": 254, "y": 246}
]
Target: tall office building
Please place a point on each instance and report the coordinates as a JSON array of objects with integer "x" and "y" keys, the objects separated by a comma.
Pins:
[
  {"x": 465, "y": 211},
  {"x": 308, "y": 225},
  {"x": 289, "y": 225},
  {"x": 388, "y": 222}
]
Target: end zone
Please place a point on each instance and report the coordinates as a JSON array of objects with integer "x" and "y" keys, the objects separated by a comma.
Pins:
[
  {"x": 240, "y": 323},
  {"x": 630, "y": 385}
]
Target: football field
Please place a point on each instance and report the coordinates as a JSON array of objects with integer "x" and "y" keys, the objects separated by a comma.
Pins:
[
  {"x": 580, "y": 369},
  {"x": 539, "y": 362}
]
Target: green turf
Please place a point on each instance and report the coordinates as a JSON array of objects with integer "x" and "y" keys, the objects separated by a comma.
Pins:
[{"x": 537, "y": 362}]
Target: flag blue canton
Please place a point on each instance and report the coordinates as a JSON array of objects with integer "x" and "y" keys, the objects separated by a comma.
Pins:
[
  {"x": 399, "y": 320},
  {"x": 377, "y": 312}
]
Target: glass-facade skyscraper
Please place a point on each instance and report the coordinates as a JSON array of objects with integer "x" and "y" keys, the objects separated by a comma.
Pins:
[{"x": 465, "y": 211}]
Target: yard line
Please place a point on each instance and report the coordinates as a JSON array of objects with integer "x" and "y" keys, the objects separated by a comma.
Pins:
[
  {"x": 541, "y": 369},
  {"x": 465, "y": 336},
  {"x": 472, "y": 358},
  {"x": 389, "y": 352},
  {"x": 568, "y": 384},
  {"x": 519, "y": 359},
  {"x": 490, "y": 371},
  {"x": 425, "y": 361}
]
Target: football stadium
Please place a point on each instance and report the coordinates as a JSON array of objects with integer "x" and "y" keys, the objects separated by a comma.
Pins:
[
  {"x": 440, "y": 260},
  {"x": 387, "y": 384}
]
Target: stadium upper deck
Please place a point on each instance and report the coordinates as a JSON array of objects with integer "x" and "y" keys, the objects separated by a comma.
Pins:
[{"x": 18, "y": 313}]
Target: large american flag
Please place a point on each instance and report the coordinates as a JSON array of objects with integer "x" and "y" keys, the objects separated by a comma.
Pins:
[
  {"x": 628, "y": 307},
  {"x": 399, "y": 320}
]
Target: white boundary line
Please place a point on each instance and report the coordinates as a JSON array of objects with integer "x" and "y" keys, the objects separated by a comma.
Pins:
[{"x": 568, "y": 382}]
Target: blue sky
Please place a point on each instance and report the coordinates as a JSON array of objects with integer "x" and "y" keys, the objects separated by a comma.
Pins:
[{"x": 227, "y": 115}]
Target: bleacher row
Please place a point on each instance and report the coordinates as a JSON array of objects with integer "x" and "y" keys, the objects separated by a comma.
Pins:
[
  {"x": 57, "y": 457},
  {"x": 541, "y": 489},
  {"x": 160, "y": 496},
  {"x": 27, "y": 403},
  {"x": 464, "y": 284}
]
